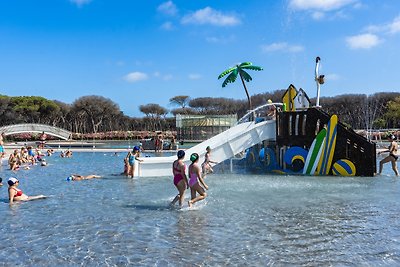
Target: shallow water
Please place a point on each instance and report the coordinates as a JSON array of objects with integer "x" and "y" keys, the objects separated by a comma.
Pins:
[{"x": 247, "y": 219}]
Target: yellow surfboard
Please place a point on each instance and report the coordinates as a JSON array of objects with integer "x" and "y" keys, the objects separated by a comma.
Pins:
[
  {"x": 288, "y": 98},
  {"x": 325, "y": 162}
]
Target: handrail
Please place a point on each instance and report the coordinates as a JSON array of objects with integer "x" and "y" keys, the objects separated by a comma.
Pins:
[
  {"x": 251, "y": 112},
  {"x": 35, "y": 128}
]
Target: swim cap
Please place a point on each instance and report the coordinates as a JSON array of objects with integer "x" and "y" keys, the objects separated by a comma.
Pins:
[
  {"x": 69, "y": 178},
  {"x": 269, "y": 101},
  {"x": 194, "y": 157},
  {"x": 136, "y": 148},
  {"x": 12, "y": 180},
  {"x": 181, "y": 154},
  {"x": 392, "y": 137},
  {"x": 208, "y": 147}
]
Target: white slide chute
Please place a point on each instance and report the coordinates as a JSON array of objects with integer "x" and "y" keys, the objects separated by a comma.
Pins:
[{"x": 224, "y": 146}]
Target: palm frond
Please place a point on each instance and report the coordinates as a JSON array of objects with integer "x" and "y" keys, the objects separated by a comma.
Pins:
[
  {"x": 245, "y": 76},
  {"x": 251, "y": 67},
  {"x": 231, "y": 78},
  {"x": 245, "y": 64},
  {"x": 226, "y": 72}
]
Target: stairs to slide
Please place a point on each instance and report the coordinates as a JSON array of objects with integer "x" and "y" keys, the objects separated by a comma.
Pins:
[{"x": 224, "y": 146}]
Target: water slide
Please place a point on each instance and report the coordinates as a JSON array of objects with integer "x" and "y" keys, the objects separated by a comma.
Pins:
[{"x": 224, "y": 146}]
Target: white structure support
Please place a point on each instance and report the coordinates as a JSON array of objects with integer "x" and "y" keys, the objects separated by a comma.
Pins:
[
  {"x": 224, "y": 146},
  {"x": 317, "y": 60}
]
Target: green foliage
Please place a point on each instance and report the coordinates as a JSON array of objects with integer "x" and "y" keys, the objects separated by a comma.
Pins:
[
  {"x": 393, "y": 112},
  {"x": 180, "y": 100}
]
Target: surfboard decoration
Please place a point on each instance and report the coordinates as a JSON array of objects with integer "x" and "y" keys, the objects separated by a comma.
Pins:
[
  {"x": 288, "y": 98},
  {"x": 301, "y": 101},
  {"x": 325, "y": 162},
  {"x": 314, "y": 154}
]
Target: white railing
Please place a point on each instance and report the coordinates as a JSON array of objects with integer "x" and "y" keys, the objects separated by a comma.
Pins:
[
  {"x": 35, "y": 128},
  {"x": 253, "y": 112}
]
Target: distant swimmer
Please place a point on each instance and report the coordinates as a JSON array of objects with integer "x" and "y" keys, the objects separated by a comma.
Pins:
[
  {"x": 180, "y": 179},
  {"x": 16, "y": 194},
  {"x": 206, "y": 165},
  {"x": 195, "y": 179},
  {"x": 77, "y": 177},
  {"x": 392, "y": 157}
]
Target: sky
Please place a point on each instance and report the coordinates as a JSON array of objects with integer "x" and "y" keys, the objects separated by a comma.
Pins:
[{"x": 141, "y": 52}]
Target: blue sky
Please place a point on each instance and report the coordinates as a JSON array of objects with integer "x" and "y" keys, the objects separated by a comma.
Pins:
[{"x": 140, "y": 52}]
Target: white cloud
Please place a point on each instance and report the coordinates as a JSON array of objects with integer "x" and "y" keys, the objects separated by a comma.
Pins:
[
  {"x": 221, "y": 39},
  {"x": 318, "y": 15},
  {"x": 167, "y": 77},
  {"x": 388, "y": 28},
  {"x": 394, "y": 26},
  {"x": 168, "y": 8},
  {"x": 194, "y": 76},
  {"x": 283, "y": 46},
  {"x": 135, "y": 77},
  {"x": 80, "y": 3},
  {"x": 210, "y": 16},
  {"x": 324, "y": 5},
  {"x": 363, "y": 41},
  {"x": 168, "y": 26}
]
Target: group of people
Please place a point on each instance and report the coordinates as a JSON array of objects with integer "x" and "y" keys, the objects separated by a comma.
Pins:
[
  {"x": 25, "y": 157},
  {"x": 196, "y": 176}
]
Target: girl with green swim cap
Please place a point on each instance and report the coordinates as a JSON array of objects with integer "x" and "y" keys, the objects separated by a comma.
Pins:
[{"x": 195, "y": 179}]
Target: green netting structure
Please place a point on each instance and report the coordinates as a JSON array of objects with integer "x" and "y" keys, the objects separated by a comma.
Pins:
[{"x": 202, "y": 127}]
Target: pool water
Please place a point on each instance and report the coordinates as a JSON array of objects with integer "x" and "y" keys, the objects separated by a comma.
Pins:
[{"x": 247, "y": 219}]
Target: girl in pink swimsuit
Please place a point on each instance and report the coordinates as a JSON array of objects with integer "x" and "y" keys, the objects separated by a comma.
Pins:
[
  {"x": 195, "y": 180},
  {"x": 180, "y": 179}
]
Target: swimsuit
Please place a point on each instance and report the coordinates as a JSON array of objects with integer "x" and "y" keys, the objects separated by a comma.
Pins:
[
  {"x": 178, "y": 176},
  {"x": 394, "y": 156},
  {"x": 193, "y": 179},
  {"x": 131, "y": 160},
  {"x": 19, "y": 192}
]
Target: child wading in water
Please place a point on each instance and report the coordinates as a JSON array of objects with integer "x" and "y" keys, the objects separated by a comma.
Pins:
[
  {"x": 206, "y": 166},
  {"x": 195, "y": 178},
  {"x": 131, "y": 158}
]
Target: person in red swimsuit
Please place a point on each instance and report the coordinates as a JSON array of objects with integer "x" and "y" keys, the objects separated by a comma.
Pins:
[
  {"x": 15, "y": 194},
  {"x": 180, "y": 179}
]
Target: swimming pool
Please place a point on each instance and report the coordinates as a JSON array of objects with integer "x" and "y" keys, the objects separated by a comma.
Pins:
[{"x": 247, "y": 219}]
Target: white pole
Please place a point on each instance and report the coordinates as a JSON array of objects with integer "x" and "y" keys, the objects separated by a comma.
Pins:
[{"x": 317, "y": 60}]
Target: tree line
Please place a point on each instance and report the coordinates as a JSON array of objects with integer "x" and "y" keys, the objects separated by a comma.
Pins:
[{"x": 93, "y": 114}]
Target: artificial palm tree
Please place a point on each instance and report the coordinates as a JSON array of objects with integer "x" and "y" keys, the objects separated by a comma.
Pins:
[{"x": 244, "y": 76}]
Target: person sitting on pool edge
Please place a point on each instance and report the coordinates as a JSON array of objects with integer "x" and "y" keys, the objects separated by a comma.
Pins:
[
  {"x": 77, "y": 177},
  {"x": 15, "y": 194}
]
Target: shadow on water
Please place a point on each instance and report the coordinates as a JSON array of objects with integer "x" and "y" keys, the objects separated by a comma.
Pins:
[
  {"x": 4, "y": 200},
  {"x": 149, "y": 207}
]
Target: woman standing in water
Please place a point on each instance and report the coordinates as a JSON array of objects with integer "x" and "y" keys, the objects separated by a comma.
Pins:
[
  {"x": 180, "y": 179},
  {"x": 15, "y": 194},
  {"x": 195, "y": 178},
  {"x": 392, "y": 157}
]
